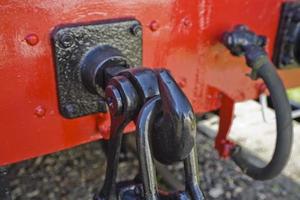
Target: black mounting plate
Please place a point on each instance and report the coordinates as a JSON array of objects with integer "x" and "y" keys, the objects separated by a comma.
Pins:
[
  {"x": 72, "y": 42},
  {"x": 287, "y": 47}
]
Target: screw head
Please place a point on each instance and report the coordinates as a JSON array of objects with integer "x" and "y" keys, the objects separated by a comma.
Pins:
[
  {"x": 136, "y": 30},
  {"x": 66, "y": 40},
  {"x": 69, "y": 110}
]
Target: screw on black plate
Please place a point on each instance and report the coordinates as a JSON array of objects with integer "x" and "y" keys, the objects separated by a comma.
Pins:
[
  {"x": 69, "y": 110},
  {"x": 66, "y": 40},
  {"x": 136, "y": 30}
]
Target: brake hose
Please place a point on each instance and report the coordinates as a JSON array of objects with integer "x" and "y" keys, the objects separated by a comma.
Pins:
[{"x": 244, "y": 42}]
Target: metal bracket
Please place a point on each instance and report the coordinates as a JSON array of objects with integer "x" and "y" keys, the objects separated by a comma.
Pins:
[{"x": 72, "y": 42}]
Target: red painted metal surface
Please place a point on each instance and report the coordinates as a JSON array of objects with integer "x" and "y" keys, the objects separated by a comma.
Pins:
[
  {"x": 180, "y": 35},
  {"x": 223, "y": 145}
]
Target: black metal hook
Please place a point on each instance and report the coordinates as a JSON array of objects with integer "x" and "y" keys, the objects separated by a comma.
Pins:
[
  {"x": 160, "y": 109},
  {"x": 173, "y": 135},
  {"x": 144, "y": 122}
]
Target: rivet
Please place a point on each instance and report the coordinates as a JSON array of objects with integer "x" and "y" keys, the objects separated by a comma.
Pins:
[
  {"x": 187, "y": 22},
  {"x": 154, "y": 25},
  {"x": 40, "y": 111},
  {"x": 32, "y": 39}
]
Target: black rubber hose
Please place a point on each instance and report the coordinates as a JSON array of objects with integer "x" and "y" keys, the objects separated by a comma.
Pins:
[{"x": 264, "y": 68}]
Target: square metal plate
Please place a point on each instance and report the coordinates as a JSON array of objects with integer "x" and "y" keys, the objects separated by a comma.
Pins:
[{"x": 71, "y": 43}]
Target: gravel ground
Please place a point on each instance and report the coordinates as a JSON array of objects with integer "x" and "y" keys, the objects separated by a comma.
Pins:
[{"x": 79, "y": 172}]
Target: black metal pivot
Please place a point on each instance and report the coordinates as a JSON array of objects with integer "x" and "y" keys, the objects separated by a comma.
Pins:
[
  {"x": 242, "y": 41},
  {"x": 174, "y": 131},
  {"x": 147, "y": 96},
  {"x": 98, "y": 61},
  {"x": 144, "y": 122}
]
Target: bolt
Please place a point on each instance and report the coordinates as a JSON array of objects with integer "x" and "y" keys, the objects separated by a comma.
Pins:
[
  {"x": 114, "y": 100},
  {"x": 69, "y": 110},
  {"x": 154, "y": 25},
  {"x": 40, "y": 111},
  {"x": 66, "y": 40},
  {"x": 136, "y": 30},
  {"x": 32, "y": 39}
]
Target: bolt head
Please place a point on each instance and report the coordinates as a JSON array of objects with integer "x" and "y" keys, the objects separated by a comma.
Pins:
[
  {"x": 66, "y": 40},
  {"x": 136, "y": 30},
  {"x": 69, "y": 110}
]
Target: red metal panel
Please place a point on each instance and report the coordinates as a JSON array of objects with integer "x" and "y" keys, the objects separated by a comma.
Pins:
[{"x": 178, "y": 34}]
